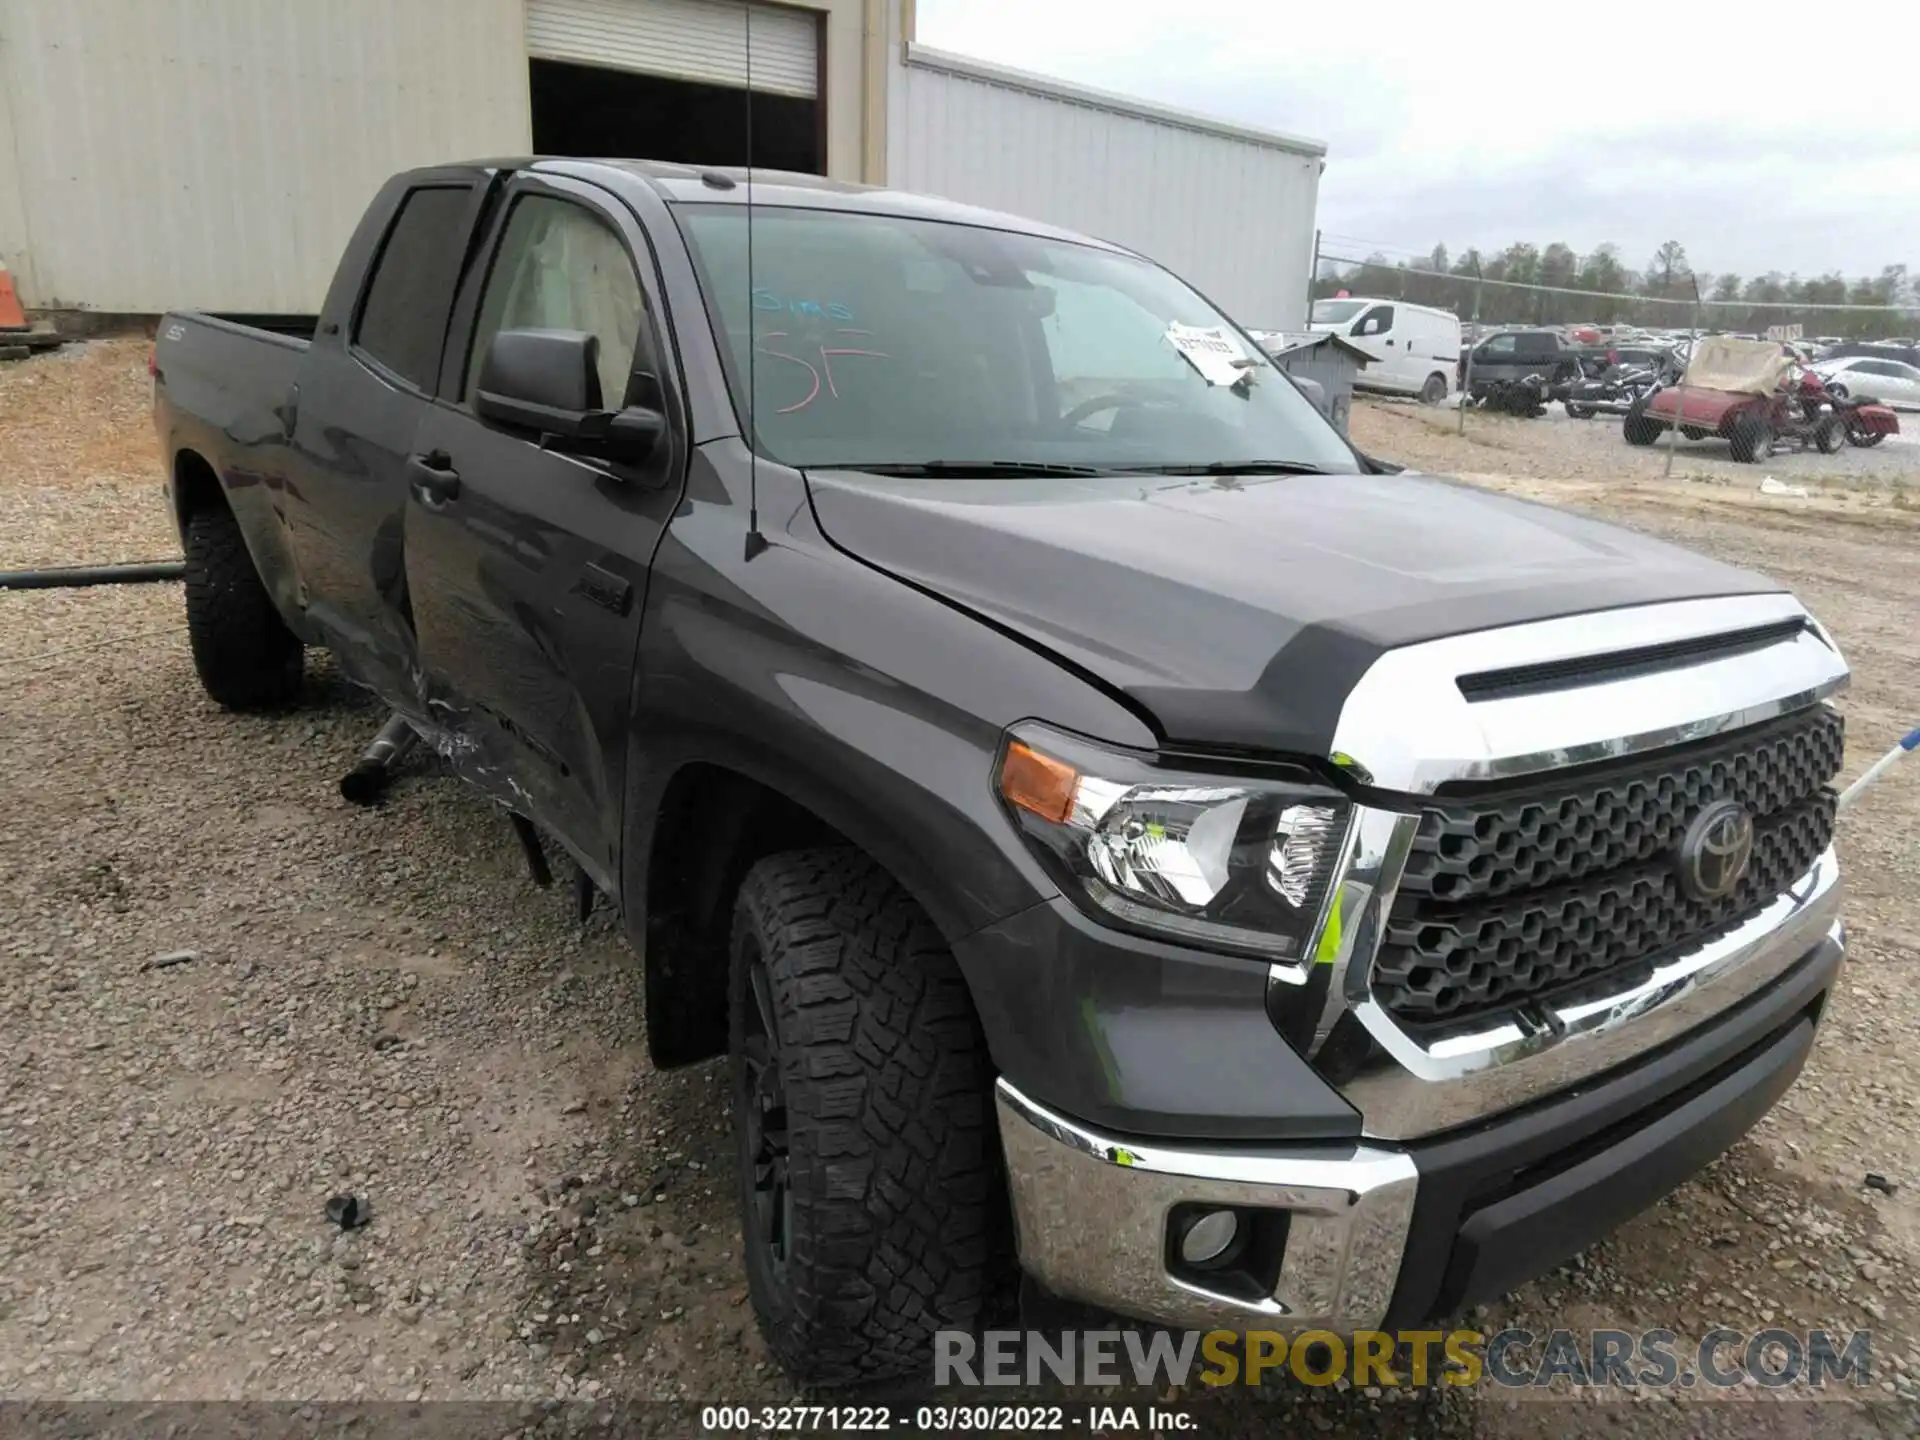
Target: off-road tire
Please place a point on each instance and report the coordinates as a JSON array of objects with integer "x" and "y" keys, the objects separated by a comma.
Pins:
[
  {"x": 1639, "y": 428},
  {"x": 894, "y": 1179},
  {"x": 246, "y": 657},
  {"x": 1434, "y": 391},
  {"x": 1750, "y": 439}
]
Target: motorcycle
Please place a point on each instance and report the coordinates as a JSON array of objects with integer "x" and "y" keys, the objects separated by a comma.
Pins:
[
  {"x": 1617, "y": 390},
  {"x": 1868, "y": 422},
  {"x": 1525, "y": 397}
]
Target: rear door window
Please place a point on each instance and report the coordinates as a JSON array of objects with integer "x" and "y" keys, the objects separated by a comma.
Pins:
[{"x": 403, "y": 313}]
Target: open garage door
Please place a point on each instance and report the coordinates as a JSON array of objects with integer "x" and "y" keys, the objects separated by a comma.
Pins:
[
  {"x": 667, "y": 80},
  {"x": 703, "y": 41}
]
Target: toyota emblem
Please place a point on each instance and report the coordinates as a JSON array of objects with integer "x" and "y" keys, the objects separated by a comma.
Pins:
[{"x": 1716, "y": 850}]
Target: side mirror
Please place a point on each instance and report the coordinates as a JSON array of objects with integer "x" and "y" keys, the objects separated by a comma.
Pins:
[{"x": 549, "y": 381}]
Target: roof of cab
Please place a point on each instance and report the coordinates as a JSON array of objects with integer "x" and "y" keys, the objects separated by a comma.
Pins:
[{"x": 695, "y": 184}]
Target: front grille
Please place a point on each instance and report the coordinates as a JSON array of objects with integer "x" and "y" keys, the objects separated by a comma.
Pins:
[{"x": 1544, "y": 889}]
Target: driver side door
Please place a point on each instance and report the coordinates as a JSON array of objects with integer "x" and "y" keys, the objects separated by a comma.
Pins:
[{"x": 528, "y": 566}]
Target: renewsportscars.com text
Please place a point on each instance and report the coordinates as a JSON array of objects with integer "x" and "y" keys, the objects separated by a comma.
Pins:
[{"x": 1650, "y": 1359}]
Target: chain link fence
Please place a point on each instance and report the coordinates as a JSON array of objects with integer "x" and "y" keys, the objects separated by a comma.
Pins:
[{"x": 1654, "y": 314}]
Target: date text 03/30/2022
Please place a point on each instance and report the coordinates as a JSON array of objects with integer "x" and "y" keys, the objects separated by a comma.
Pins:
[{"x": 943, "y": 1419}]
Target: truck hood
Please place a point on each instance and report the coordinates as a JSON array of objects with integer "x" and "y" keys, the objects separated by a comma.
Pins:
[{"x": 1240, "y": 611}]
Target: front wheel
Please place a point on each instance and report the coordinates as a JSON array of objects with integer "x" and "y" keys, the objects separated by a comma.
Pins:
[
  {"x": 871, "y": 1198},
  {"x": 1640, "y": 428},
  {"x": 246, "y": 656},
  {"x": 1838, "y": 390}
]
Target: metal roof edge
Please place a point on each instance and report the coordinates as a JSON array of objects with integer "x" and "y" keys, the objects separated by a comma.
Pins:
[{"x": 967, "y": 68}]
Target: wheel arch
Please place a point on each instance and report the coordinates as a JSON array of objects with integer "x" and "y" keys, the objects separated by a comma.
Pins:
[
  {"x": 704, "y": 822},
  {"x": 195, "y": 485}
]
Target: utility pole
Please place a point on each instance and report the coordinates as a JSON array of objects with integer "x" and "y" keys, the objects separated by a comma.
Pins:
[
  {"x": 1680, "y": 402},
  {"x": 1313, "y": 279},
  {"x": 1466, "y": 378}
]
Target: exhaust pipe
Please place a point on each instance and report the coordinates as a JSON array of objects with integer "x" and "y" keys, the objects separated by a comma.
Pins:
[{"x": 368, "y": 780}]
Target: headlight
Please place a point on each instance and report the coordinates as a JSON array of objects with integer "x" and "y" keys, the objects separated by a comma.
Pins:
[{"x": 1231, "y": 861}]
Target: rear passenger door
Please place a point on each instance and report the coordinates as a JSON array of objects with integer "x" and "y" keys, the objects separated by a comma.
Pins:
[
  {"x": 528, "y": 571},
  {"x": 365, "y": 389}
]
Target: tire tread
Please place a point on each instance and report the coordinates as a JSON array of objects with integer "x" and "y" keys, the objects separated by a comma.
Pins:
[{"x": 893, "y": 1155}]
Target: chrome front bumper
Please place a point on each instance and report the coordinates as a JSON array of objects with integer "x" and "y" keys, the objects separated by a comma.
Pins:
[{"x": 1092, "y": 1212}]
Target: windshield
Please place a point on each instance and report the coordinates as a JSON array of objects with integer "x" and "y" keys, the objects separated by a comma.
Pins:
[
  {"x": 877, "y": 340},
  {"x": 1337, "y": 312}
]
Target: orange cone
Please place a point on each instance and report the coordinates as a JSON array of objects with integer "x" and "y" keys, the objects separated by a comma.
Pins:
[{"x": 12, "y": 317}]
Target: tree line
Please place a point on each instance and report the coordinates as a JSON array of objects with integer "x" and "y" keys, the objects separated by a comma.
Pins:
[{"x": 1609, "y": 292}]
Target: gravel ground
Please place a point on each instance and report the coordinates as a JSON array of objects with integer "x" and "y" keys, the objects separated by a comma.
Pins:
[{"x": 381, "y": 1003}]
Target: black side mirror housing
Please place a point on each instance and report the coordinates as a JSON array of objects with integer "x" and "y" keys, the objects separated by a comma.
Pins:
[{"x": 549, "y": 381}]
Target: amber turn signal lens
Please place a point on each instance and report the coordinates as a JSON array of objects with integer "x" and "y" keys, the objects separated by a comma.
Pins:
[{"x": 1038, "y": 783}]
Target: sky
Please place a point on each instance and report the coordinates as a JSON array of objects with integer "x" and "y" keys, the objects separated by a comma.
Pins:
[{"x": 1760, "y": 138}]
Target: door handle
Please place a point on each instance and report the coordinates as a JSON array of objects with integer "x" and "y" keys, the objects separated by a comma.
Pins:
[{"x": 433, "y": 477}]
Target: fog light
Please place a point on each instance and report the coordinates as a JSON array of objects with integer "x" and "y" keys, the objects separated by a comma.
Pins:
[{"x": 1208, "y": 1237}]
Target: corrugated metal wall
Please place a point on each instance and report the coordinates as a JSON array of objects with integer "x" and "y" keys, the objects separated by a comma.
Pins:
[
  {"x": 1230, "y": 210},
  {"x": 218, "y": 153}
]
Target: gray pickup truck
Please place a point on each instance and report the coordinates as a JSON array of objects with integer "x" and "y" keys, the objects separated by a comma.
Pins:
[{"x": 1103, "y": 817}]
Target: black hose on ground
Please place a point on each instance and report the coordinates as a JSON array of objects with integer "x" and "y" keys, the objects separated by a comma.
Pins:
[
  {"x": 368, "y": 780},
  {"x": 73, "y": 576}
]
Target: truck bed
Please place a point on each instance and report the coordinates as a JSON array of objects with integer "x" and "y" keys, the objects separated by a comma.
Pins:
[{"x": 226, "y": 390}]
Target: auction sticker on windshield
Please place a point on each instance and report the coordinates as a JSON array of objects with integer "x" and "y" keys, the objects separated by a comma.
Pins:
[{"x": 1210, "y": 350}]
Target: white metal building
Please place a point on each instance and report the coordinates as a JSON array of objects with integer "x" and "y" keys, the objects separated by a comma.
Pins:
[{"x": 216, "y": 154}]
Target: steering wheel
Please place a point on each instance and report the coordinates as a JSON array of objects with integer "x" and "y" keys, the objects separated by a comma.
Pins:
[{"x": 1098, "y": 403}]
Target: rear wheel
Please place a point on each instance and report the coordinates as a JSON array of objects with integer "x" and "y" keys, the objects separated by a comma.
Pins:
[
  {"x": 1865, "y": 439},
  {"x": 1751, "y": 439},
  {"x": 870, "y": 1191},
  {"x": 1434, "y": 391},
  {"x": 1831, "y": 435},
  {"x": 1578, "y": 411},
  {"x": 1640, "y": 428},
  {"x": 246, "y": 656}
]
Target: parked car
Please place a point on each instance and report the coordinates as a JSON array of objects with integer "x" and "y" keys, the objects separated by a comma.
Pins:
[
  {"x": 1103, "y": 818},
  {"x": 1873, "y": 350},
  {"x": 1413, "y": 346},
  {"x": 1891, "y": 381}
]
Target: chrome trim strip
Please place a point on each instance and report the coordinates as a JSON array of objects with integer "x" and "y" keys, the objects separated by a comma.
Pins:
[
  {"x": 1091, "y": 1215},
  {"x": 1407, "y": 725}
]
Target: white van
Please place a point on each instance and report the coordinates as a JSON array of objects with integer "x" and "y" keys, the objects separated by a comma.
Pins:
[{"x": 1415, "y": 349}]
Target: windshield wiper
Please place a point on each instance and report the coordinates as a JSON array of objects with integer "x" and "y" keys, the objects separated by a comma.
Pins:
[
  {"x": 967, "y": 469},
  {"x": 1234, "y": 467}
]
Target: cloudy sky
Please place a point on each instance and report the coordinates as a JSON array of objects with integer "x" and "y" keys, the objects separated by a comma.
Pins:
[{"x": 1758, "y": 140}]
